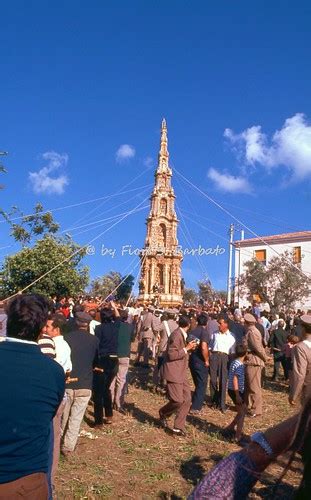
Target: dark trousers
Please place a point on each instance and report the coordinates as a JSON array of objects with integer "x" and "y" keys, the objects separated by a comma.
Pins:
[
  {"x": 199, "y": 374},
  {"x": 218, "y": 378},
  {"x": 281, "y": 360},
  {"x": 102, "y": 394}
]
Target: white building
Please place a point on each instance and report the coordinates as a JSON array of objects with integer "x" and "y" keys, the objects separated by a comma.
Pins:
[{"x": 298, "y": 244}]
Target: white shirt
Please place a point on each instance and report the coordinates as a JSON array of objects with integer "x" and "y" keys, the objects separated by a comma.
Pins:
[
  {"x": 223, "y": 342},
  {"x": 185, "y": 335},
  {"x": 266, "y": 323},
  {"x": 307, "y": 342},
  {"x": 93, "y": 323},
  {"x": 63, "y": 353},
  {"x": 275, "y": 324}
]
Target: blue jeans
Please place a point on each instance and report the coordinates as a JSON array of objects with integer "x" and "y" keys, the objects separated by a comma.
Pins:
[{"x": 199, "y": 374}]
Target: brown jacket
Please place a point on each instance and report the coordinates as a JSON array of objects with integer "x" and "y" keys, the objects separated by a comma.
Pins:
[
  {"x": 300, "y": 377},
  {"x": 256, "y": 355},
  {"x": 176, "y": 359}
]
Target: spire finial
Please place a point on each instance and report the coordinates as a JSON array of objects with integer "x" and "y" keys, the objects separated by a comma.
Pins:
[{"x": 163, "y": 153}]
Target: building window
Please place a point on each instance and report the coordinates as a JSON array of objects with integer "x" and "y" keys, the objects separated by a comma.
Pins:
[
  {"x": 261, "y": 256},
  {"x": 297, "y": 255}
]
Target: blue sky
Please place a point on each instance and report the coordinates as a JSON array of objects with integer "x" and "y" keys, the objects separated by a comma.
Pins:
[{"x": 81, "y": 80}]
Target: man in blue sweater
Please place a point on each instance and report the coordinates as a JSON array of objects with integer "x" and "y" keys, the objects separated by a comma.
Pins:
[{"x": 32, "y": 387}]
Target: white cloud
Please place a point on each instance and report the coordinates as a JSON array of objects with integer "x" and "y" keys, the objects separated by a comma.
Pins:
[
  {"x": 125, "y": 152},
  {"x": 289, "y": 147},
  {"x": 228, "y": 183},
  {"x": 43, "y": 182},
  {"x": 148, "y": 161}
]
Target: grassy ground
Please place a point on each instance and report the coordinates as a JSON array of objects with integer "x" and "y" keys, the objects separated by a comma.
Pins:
[{"x": 135, "y": 458}]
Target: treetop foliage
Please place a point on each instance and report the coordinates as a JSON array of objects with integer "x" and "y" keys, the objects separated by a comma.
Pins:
[{"x": 279, "y": 283}]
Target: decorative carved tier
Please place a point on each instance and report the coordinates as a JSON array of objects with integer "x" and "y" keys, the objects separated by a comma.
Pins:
[{"x": 160, "y": 280}]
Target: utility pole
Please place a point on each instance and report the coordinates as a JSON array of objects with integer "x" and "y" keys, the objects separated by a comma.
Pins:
[{"x": 229, "y": 283}]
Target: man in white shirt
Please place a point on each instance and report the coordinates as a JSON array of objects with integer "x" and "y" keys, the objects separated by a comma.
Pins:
[
  {"x": 93, "y": 323},
  {"x": 63, "y": 358},
  {"x": 63, "y": 352},
  {"x": 222, "y": 345}
]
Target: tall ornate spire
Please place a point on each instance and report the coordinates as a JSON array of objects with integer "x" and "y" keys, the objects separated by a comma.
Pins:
[
  {"x": 161, "y": 258},
  {"x": 163, "y": 153}
]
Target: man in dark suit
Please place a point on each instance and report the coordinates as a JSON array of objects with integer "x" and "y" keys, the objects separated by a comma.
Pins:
[
  {"x": 199, "y": 364},
  {"x": 175, "y": 373},
  {"x": 277, "y": 343}
]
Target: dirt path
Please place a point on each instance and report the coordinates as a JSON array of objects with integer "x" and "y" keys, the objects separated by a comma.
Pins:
[{"x": 135, "y": 458}]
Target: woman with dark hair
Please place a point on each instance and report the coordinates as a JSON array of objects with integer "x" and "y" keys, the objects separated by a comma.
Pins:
[{"x": 234, "y": 477}]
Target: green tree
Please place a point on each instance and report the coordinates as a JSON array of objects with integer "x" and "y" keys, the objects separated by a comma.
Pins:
[
  {"x": 206, "y": 291},
  {"x": 31, "y": 226},
  {"x": 190, "y": 296},
  {"x": 125, "y": 289},
  {"x": 221, "y": 294},
  {"x": 103, "y": 286},
  {"x": 278, "y": 283},
  {"x": 21, "y": 269}
]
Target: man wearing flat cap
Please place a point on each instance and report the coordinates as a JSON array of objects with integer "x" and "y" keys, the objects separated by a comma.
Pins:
[
  {"x": 84, "y": 350},
  {"x": 300, "y": 379},
  {"x": 254, "y": 363}
]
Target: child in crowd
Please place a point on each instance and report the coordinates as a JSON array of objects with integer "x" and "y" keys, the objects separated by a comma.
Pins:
[
  {"x": 291, "y": 341},
  {"x": 236, "y": 391}
]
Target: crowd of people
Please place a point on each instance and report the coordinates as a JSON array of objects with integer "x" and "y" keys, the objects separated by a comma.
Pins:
[{"x": 60, "y": 355}]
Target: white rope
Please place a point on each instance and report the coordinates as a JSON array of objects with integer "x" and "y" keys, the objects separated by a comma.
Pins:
[
  {"x": 113, "y": 207},
  {"x": 266, "y": 217},
  {"x": 206, "y": 228},
  {"x": 203, "y": 269},
  {"x": 111, "y": 219},
  {"x": 239, "y": 221},
  {"x": 190, "y": 203},
  {"x": 77, "y": 204},
  {"x": 106, "y": 219},
  {"x": 101, "y": 204},
  {"x": 136, "y": 279},
  {"x": 107, "y": 211},
  {"x": 77, "y": 251},
  {"x": 121, "y": 282},
  {"x": 224, "y": 225}
]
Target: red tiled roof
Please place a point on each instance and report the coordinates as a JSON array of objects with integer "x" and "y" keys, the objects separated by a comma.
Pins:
[{"x": 276, "y": 238}]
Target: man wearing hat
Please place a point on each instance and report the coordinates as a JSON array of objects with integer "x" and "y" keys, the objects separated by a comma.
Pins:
[
  {"x": 84, "y": 349},
  {"x": 146, "y": 334},
  {"x": 300, "y": 378},
  {"x": 255, "y": 362}
]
